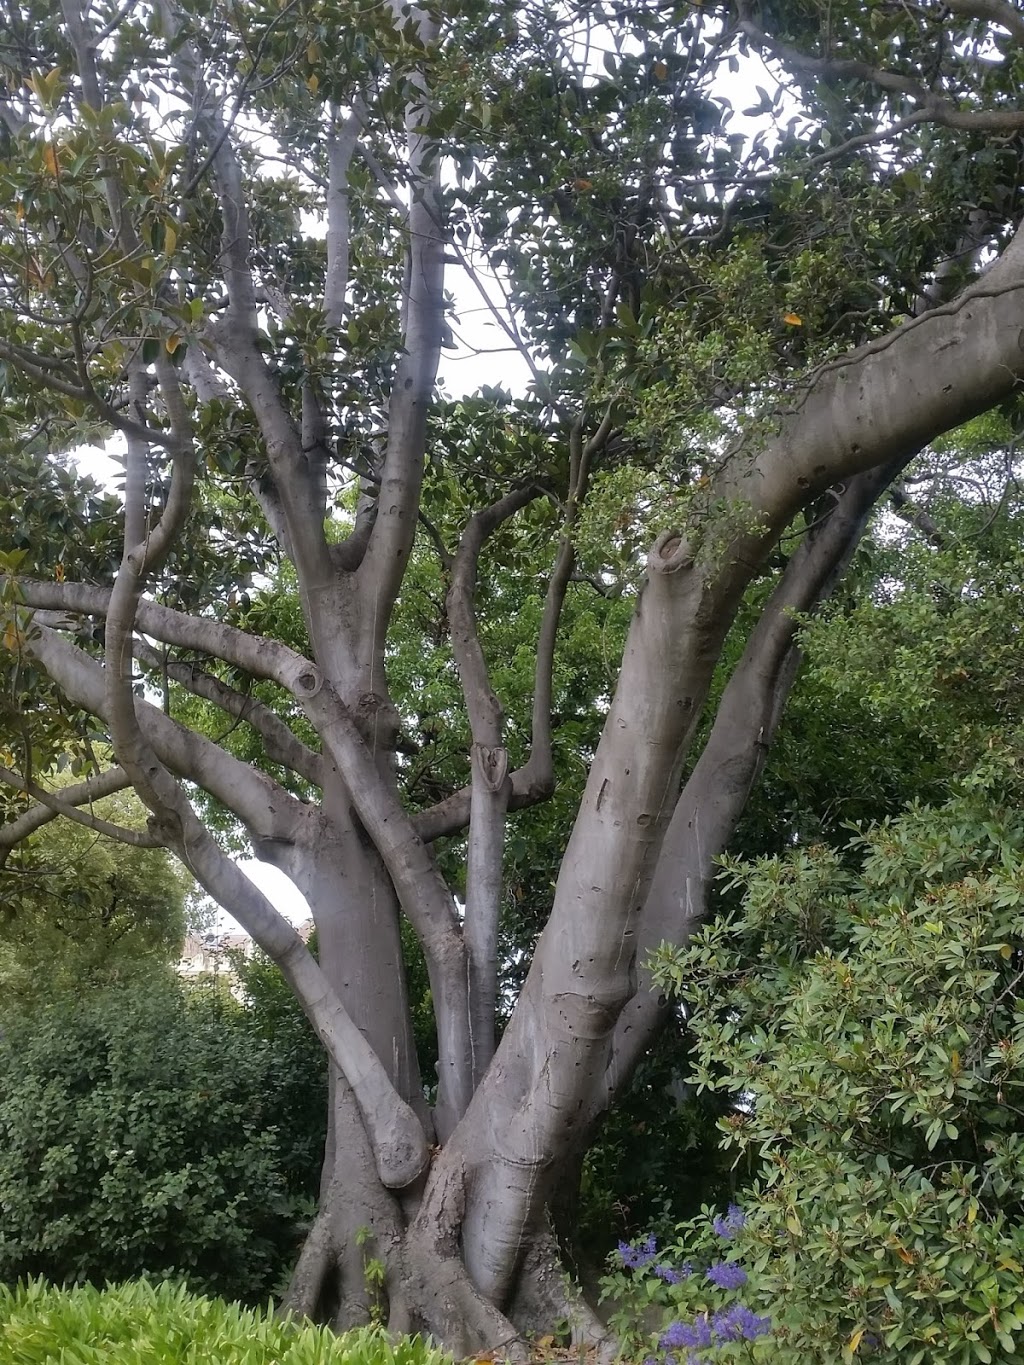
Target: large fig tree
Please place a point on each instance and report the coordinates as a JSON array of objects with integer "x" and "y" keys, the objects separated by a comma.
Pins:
[{"x": 226, "y": 235}]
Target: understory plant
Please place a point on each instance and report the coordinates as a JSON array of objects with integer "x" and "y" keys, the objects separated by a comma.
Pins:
[
  {"x": 872, "y": 1026},
  {"x": 145, "y": 1130},
  {"x": 140, "y": 1323},
  {"x": 692, "y": 1301}
]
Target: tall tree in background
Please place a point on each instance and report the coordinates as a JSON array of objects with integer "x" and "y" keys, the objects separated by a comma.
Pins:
[
  {"x": 78, "y": 909},
  {"x": 223, "y": 242}
]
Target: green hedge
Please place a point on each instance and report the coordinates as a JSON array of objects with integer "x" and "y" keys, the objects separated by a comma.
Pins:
[
  {"x": 144, "y": 1133},
  {"x": 145, "y": 1324}
]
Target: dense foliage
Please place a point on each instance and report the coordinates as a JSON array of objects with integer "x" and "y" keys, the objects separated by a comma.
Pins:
[
  {"x": 872, "y": 1020},
  {"x": 145, "y": 1324},
  {"x": 80, "y": 910},
  {"x": 145, "y": 1129}
]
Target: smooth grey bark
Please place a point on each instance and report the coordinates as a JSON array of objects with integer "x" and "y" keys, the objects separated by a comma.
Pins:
[
  {"x": 341, "y": 145},
  {"x": 746, "y": 721},
  {"x": 281, "y": 744},
  {"x": 490, "y": 785},
  {"x": 356, "y": 913},
  {"x": 356, "y": 1219},
  {"x": 855, "y": 413},
  {"x": 399, "y": 1137},
  {"x": 343, "y": 729}
]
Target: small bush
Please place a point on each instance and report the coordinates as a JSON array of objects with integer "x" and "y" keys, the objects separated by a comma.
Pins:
[
  {"x": 145, "y": 1324},
  {"x": 141, "y": 1135}
]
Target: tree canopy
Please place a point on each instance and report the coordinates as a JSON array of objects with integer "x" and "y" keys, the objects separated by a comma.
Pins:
[{"x": 79, "y": 908}]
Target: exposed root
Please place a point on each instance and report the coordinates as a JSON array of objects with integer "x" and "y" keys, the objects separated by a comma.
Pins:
[
  {"x": 358, "y": 1222},
  {"x": 546, "y": 1298},
  {"x": 400, "y": 1317},
  {"x": 315, "y": 1264},
  {"x": 438, "y": 1285}
]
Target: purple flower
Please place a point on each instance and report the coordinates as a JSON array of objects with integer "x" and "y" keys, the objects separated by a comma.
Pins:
[
  {"x": 735, "y": 1323},
  {"x": 727, "y": 1275},
  {"x": 727, "y": 1227},
  {"x": 672, "y": 1276},
  {"x": 634, "y": 1256},
  {"x": 739, "y": 1323},
  {"x": 692, "y": 1335}
]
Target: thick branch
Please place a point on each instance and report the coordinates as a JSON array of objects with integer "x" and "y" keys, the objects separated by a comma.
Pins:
[
  {"x": 933, "y": 107},
  {"x": 256, "y": 654},
  {"x": 535, "y": 781},
  {"x": 994, "y": 11},
  {"x": 279, "y": 743},
  {"x": 397, "y": 1134},
  {"x": 394, "y": 529},
  {"x": 295, "y": 472},
  {"x": 341, "y": 143},
  {"x": 490, "y": 788},
  {"x": 861, "y": 411},
  {"x": 269, "y": 812},
  {"x": 716, "y": 793}
]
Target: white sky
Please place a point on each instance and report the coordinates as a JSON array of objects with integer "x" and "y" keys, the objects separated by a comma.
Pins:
[{"x": 282, "y": 893}]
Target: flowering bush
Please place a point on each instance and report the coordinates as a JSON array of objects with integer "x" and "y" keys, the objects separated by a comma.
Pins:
[
  {"x": 872, "y": 1019},
  {"x": 697, "y": 1322}
]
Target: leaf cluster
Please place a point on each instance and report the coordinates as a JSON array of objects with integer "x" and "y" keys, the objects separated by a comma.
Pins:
[
  {"x": 142, "y": 1323},
  {"x": 869, "y": 1017},
  {"x": 142, "y": 1130}
]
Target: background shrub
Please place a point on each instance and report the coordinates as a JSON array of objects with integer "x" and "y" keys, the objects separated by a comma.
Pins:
[{"x": 142, "y": 1133}]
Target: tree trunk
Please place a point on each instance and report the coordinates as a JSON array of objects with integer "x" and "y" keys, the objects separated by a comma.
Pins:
[{"x": 359, "y": 1224}]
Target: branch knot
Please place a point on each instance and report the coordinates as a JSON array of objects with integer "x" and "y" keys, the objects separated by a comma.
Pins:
[
  {"x": 670, "y": 552},
  {"x": 491, "y": 763}
]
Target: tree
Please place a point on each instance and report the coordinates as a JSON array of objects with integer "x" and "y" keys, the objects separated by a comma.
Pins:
[
  {"x": 79, "y": 908},
  {"x": 225, "y": 239}
]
